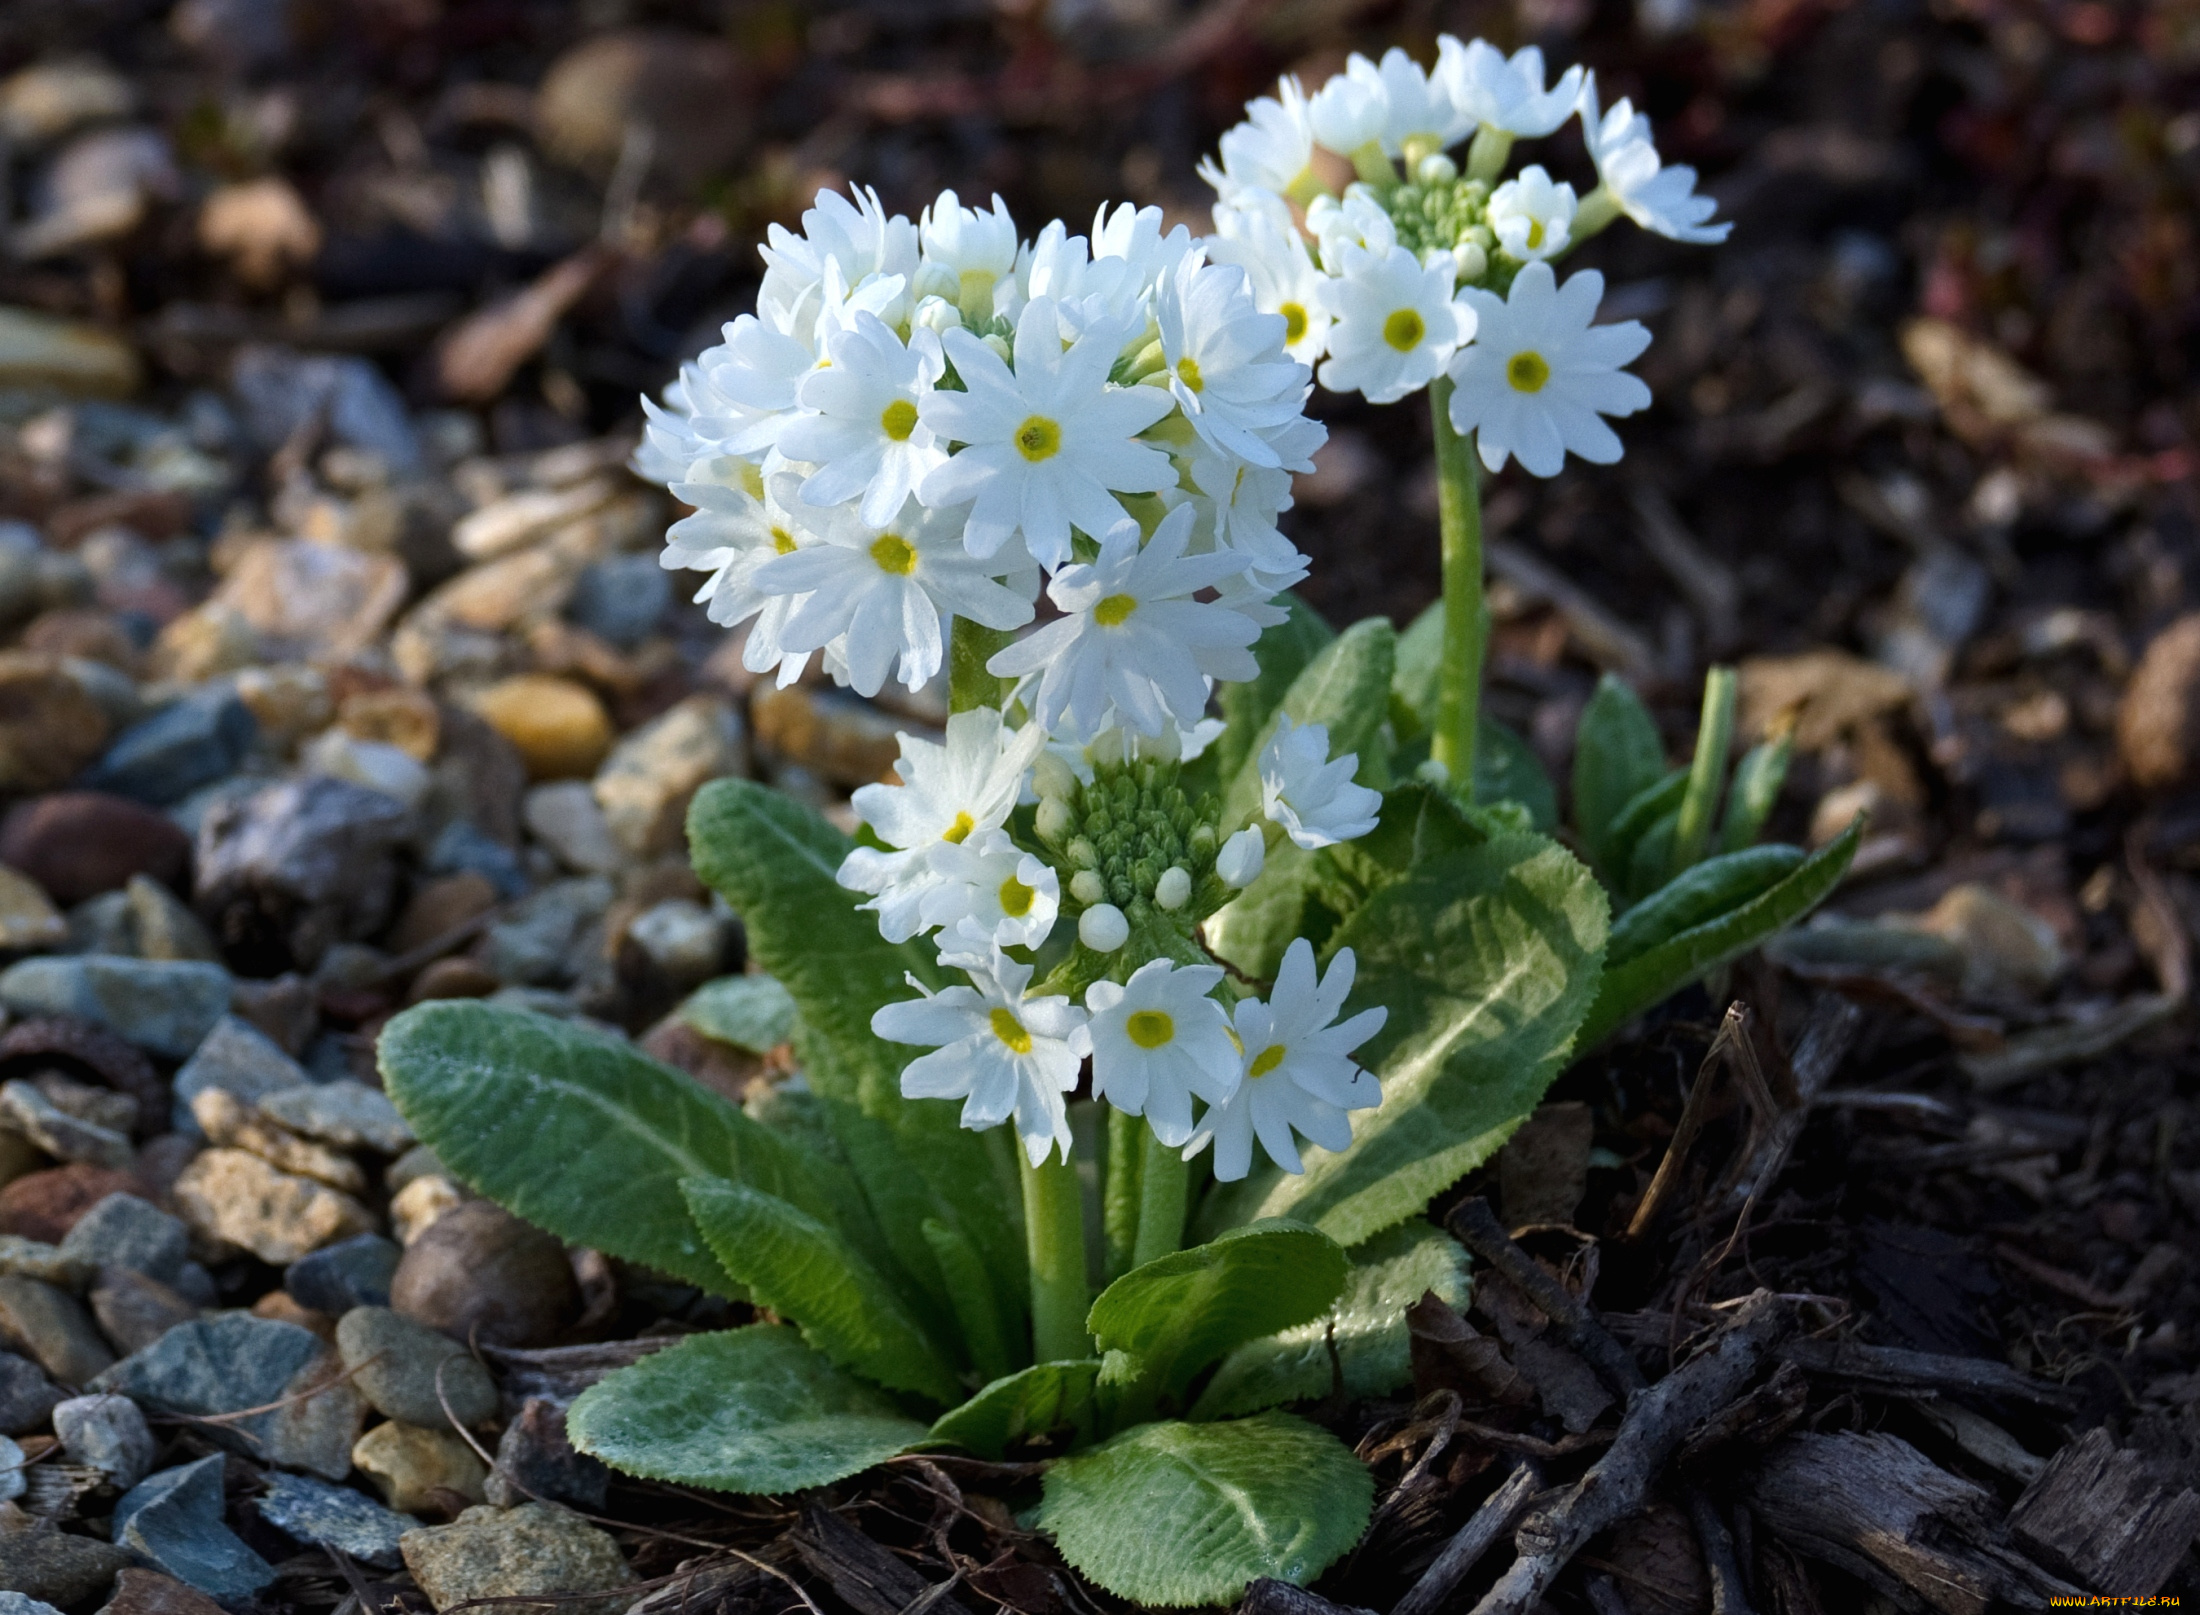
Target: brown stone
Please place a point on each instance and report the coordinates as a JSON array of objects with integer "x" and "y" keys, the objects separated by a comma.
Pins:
[
  {"x": 50, "y": 728},
  {"x": 685, "y": 89},
  {"x": 45, "y": 1205},
  {"x": 78, "y": 1049},
  {"x": 97, "y": 636},
  {"x": 559, "y": 728},
  {"x": 836, "y": 737},
  {"x": 327, "y": 600},
  {"x": 720, "y": 1067},
  {"x": 453, "y": 978},
  {"x": 77, "y": 844},
  {"x": 279, "y": 1305},
  {"x": 405, "y": 718},
  {"x": 59, "y": 1567},
  {"x": 479, "y": 775},
  {"x": 440, "y": 907},
  {"x": 2158, "y": 725},
  {"x": 478, "y": 1273},
  {"x": 148, "y": 1592}
]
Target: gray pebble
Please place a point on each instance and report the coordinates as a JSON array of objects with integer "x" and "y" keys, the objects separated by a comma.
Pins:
[
  {"x": 324, "y": 1516},
  {"x": 166, "y": 1007},
  {"x": 351, "y": 1273},
  {"x": 174, "y": 1519},
  {"x": 398, "y": 1365},
  {"x": 51, "y": 1327},
  {"x": 125, "y": 1231},
  {"x": 106, "y": 1433}
]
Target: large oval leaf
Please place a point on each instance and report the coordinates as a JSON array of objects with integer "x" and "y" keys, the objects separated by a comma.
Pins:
[
  {"x": 748, "y": 1410},
  {"x": 1179, "y": 1514}
]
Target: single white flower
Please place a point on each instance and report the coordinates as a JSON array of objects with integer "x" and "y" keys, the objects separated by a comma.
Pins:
[
  {"x": 865, "y": 438},
  {"x": 989, "y": 893},
  {"x": 1225, "y": 359},
  {"x": 967, "y": 252},
  {"x": 1134, "y": 235},
  {"x": 1299, "y": 1075},
  {"x": 740, "y": 521},
  {"x": 1046, "y": 446},
  {"x": 1103, "y": 927},
  {"x": 1661, "y": 199},
  {"x": 1396, "y": 325},
  {"x": 1241, "y": 858},
  {"x": 1002, "y": 1054},
  {"x": 1501, "y": 92},
  {"x": 1421, "y": 118},
  {"x": 670, "y": 443},
  {"x": 857, "y": 237},
  {"x": 949, "y": 791},
  {"x": 1272, "y": 150},
  {"x": 1238, "y": 505},
  {"x": 1532, "y": 216},
  {"x": 1540, "y": 376},
  {"x": 1285, "y": 279},
  {"x": 886, "y": 595},
  {"x": 1311, "y": 797},
  {"x": 1157, "y": 1040},
  {"x": 1352, "y": 110},
  {"x": 1131, "y": 639},
  {"x": 1356, "y": 219}
]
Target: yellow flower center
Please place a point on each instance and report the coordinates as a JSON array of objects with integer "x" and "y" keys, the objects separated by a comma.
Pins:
[
  {"x": 1038, "y": 439},
  {"x": 1187, "y": 370},
  {"x": 782, "y": 541},
  {"x": 1535, "y": 234},
  {"x": 1016, "y": 898},
  {"x": 959, "y": 831},
  {"x": 1404, "y": 329},
  {"x": 1011, "y": 1031},
  {"x": 1527, "y": 371},
  {"x": 1150, "y": 1028},
  {"x": 899, "y": 420},
  {"x": 1267, "y": 1060},
  {"x": 1294, "y": 321},
  {"x": 752, "y": 478},
  {"x": 894, "y": 554},
  {"x": 1115, "y": 610}
]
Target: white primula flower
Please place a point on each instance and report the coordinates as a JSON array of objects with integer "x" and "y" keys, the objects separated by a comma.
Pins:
[
  {"x": 1157, "y": 1040},
  {"x": 857, "y": 237},
  {"x": 1352, "y": 110},
  {"x": 1285, "y": 279},
  {"x": 1225, "y": 358},
  {"x": 880, "y": 596},
  {"x": 1311, "y": 797},
  {"x": 1355, "y": 220},
  {"x": 1272, "y": 150},
  {"x": 1046, "y": 446},
  {"x": 1242, "y": 858},
  {"x": 740, "y": 522},
  {"x": 1396, "y": 323},
  {"x": 1539, "y": 376},
  {"x": 1134, "y": 235},
  {"x": 1238, "y": 505},
  {"x": 1501, "y": 92},
  {"x": 967, "y": 252},
  {"x": 1421, "y": 118},
  {"x": 865, "y": 438},
  {"x": 1002, "y": 1054},
  {"x": 1661, "y": 199},
  {"x": 990, "y": 893},
  {"x": 1299, "y": 1074},
  {"x": 948, "y": 793},
  {"x": 669, "y": 442},
  {"x": 1131, "y": 638},
  {"x": 1532, "y": 216}
]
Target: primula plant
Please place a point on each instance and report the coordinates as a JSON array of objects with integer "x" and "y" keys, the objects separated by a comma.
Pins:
[{"x": 1157, "y": 996}]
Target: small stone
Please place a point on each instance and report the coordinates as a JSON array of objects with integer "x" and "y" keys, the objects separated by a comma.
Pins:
[
  {"x": 837, "y": 737},
  {"x": 19, "y": 1157},
  {"x": 96, "y": 190},
  {"x": 230, "y": 1123},
  {"x": 323, "y": 1516},
  {"x": 50, "y": 728},
  {"x": 239, "y": 1057},
  {"x": 289, "y": 870},
  {"x": 133, "y": 1310},
  {"x": 281, "y": 391},
  {"x": 38, "y": 1561},
  {"x": 175, "y": 1520},
  {"x": 85, "y": 1101},
  {"x": 262, "y": 227},
  {"x": 289, "y": 701},
  {"x": 28, "y": 919},
  {"x": 125, "y": 1231},
  {"x": 401, "y": 1367},
  {"x": 231, "y": 1361},
  {"x": 684, "y": 943},
  {"x": 51, "y": 1327},
  {"x": 519, "y": 519},
  {"x": 531, "y": 946},
  {"x": 164, "y": 758},
  {"x": 279, "y": 1306},
  {"x": 347, "y": 1114},
  {"x": 537, "y": 1463},
  {"x": 235, "y": 1196},
  {"x": 479, "y": 777},
  {"x": 27, "y": 1397},
  {"x": 13, "y": 1483},
  {"x": 440, "y": 907},
  {"x": 453, "y": 978},
  {"x": 77, "y": 844},
  {"x": 645, "y": 785},
  {"x": 44, "y": 1206},
  {"x": 20, "y": 1603},
  {"x": 558, "y": 727},
  {"x": 418, "y": 1162},
  {"x": 89, "y": 1054},
  {"x": 415, "y": 1207},
  {"x": 463, "y": 847},
  {"x": 203, "y": 644},
  {"x": 164, "y": 1006},
  {"x": 2158, "y": 724},
  {"x": 106, "y": 1433},
  {"x": 105, "y": 924},
  {"x": 148, "y": 1592},
  {"x": 565, "y": 817},
  {"x": 286, "y": 1010},
  {"x": 411, "y": 1465},
  {"x": 405, "y": 718},
  {"x": 482, "y": 1275},
  {"x": 686, "y": 89},
  {"x": 372, "y": 764},
  {"x": 38, "y": 351},
  {"x": 2008, "y": 951},
  {"x": 338, "y": 1278},
  {"x": 162, "y": 927},
  {"x": 29, "y": 1113},
  {"x": 620, "y": 599},
  {"x": 39, "y": 104},
  {"x": 511, "y": 1553}
]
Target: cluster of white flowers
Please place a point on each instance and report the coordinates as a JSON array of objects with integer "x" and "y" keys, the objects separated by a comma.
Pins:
[
  {"x": 929, "y": 422},
  {"x": 1427, "y": 267}
]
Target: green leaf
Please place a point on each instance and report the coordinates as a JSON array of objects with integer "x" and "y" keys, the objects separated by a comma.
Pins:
[
  {"x": 1487, "y": 959},
  {"x": 1042, "y": 1400},
  {"x": 1177, "y": 1514},
  {"x": 1183, "y": 1311},
  {"x": 1701, "y": 893},
  {"x": 805, "y": 1271},
  {"x": 1646, "y": 811},
  {"x": 1346, "y": 687},
  {"x": 1418, "y": 670},
  {"x": 750, "y": 1012},
  {"x": 1757, "y": 781},
  {"x": 747, "y": 1410},
  {"x": 1617, "y": 756},
  {"x": 579, "y": 1131},
  {"x": 1283, "y": 652},
  {"x": 988, "y": 1329},
  {"x": 1662, "y": 970},
  {"x": 1506, "y": 769},
  {"x": 1367, "y": 1326}
]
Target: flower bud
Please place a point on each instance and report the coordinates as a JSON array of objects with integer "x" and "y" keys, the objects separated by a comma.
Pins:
[
  {"x": 1436, "y": 169},
  {"x": 937, "y": 314},
  {"x": 1054, "y": 820},
  {"x": 1000, "y": 347},
  {"x": 1082, "y": 853},
  {"x": 1087, "y": 887},
  {"x": 1051, "y": 776},
  {"x": 1472, "y": 261},
  {"x": 1240, "y": 860},
  {"x": 1102, "y": 928},
  {"x": 1174, "y": 889}
]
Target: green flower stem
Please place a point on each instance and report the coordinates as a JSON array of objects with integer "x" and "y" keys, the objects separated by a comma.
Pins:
[
  {"x": 969, "y": 648},
  {"x": 1054, "y": 1235},
  {"x": 1706, "y": 771},
  {"x": 1119, "y": 1202},
  {"x": 1373, "y": 168},
  {"x": 1164, "y": 1182},
  {"x": 1459, "y": 514}
]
